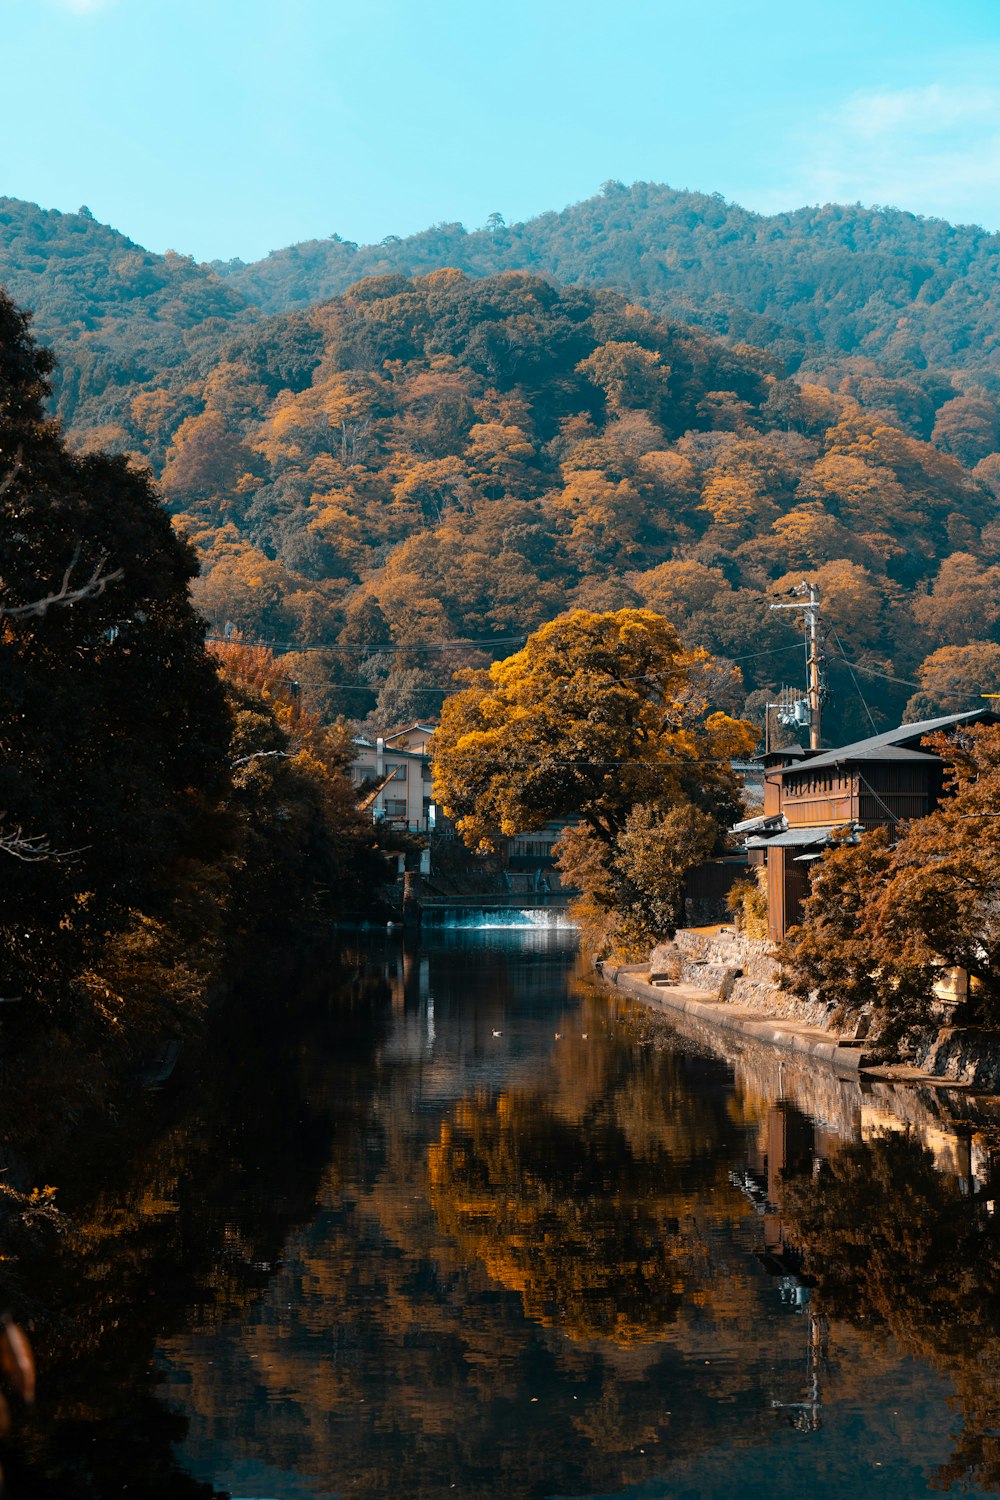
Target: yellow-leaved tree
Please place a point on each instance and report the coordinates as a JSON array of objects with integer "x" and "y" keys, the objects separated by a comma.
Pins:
[{"x": 606, "y": 722}]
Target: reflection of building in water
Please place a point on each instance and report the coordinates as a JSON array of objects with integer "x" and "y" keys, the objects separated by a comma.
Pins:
[
  {"x": 961, "y": 1130},
  {"x": 788, "y": 1143},
  {"x": 785, "y": 1144},
  {"x": 952, "y": 1146}
]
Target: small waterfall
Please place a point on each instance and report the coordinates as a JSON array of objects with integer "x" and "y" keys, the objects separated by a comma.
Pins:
[{"x": 490, "y": 919}]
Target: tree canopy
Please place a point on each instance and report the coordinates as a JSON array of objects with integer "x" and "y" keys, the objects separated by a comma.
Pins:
[
  {"x": 607, "y": 721},
  {"x": 143, "y": 833},
  {"x": 469, "y": 457},
  {"x": 884, "y": 915}
]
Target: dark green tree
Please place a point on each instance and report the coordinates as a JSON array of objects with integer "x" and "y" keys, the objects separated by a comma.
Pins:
[{"x": 113, "y": 731}]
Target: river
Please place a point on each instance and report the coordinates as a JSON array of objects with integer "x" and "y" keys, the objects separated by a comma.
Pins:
[{"x": 453, "y": 1219}]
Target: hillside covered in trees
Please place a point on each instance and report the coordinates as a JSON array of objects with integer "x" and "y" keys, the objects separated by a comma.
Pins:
[
  {"x": 835, "y": 280},
  {"x": 413, "y": 476},
  {"x": 116, "y": 316},
  {"x": 902, "y": 312}
]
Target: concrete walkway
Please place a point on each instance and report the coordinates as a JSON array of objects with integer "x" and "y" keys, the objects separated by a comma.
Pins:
[{"x": 693, "y": 1001}]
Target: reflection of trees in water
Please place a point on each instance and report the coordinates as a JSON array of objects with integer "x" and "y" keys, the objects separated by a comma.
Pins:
[
  {"x": 197, "y": 1218},
  {"x": 589, "y": 1196},
  {"x": 897, "y": 1247},
  {"x": 398, "y": 1354}
]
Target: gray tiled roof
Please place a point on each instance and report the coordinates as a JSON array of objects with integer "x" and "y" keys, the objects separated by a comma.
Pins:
[
  {"x": 890, "y": 745},
  {"x": 796, "y": 838}
]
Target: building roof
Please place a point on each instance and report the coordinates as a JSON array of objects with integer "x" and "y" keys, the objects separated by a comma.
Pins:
[
  {"x": 797, "y": 838},
  {"x": 786, "y": 752},
  {"x": 891, "y": 744},
  {"x": 751, "y": 825},
  {"x": 409, "y": 728}
]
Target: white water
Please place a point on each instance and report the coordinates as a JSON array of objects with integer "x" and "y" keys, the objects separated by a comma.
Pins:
[{"x": 498, "y": 919}]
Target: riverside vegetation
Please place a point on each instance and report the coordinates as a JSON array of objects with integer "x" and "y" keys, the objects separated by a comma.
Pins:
[{"x": 162, "y": 810}]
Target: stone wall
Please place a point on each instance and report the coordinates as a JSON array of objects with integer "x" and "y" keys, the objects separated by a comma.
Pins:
[
  {"x": 744, "y": 973},
  {"x": 732, "y": 967}
]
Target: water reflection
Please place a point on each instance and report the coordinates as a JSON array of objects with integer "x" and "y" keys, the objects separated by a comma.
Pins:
[{"x": 489, "y": 1230}]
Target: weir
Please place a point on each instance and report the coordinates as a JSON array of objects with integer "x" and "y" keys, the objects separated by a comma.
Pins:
[{"x": 479, "y": 917}]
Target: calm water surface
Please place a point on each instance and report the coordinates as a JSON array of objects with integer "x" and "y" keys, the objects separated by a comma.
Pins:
[{"x": 473, "y": 1226}]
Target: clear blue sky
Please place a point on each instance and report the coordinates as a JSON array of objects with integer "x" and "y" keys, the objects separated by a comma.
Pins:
[{"x": 233, "y": 127}]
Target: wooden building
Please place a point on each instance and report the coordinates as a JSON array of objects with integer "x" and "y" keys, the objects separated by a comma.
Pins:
[{"x": 814, "y": 799}]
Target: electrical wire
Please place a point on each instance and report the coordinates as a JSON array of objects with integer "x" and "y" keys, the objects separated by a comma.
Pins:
[
  {"x": 857, "y": 687},
  {"x": 871, "y": 672},
  {"x": 873, "y": 793},
  {"x": 380, "y": 649}
]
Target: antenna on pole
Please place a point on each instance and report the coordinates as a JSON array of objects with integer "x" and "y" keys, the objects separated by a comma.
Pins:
[{"x": 807, "y": 710}]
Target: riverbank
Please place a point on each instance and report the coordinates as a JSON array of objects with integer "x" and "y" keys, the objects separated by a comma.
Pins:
[
  {"x": 690, "y": 1000},
  {"x": 732, "y": 983}
]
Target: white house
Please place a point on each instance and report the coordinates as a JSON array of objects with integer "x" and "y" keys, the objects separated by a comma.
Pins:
[{"x": 399, "y": 765}]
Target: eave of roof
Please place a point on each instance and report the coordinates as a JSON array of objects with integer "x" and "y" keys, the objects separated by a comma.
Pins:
[
  {"x": 888, "y": 755},
  {"x": 892, "y": 742},
  {"x": 798, "y": 838},
  {"x": 760, "y": 821}
]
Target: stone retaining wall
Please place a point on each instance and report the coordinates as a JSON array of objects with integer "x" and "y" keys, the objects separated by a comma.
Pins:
[
  {"x": 733, "y": 970},
  {"x": 732, "y": 967}
]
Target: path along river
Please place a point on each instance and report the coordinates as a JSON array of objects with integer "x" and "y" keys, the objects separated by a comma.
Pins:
[{"x": 461, "y": 1221}]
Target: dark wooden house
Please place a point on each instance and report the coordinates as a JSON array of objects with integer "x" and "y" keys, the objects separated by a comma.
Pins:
[{"x": 816, "y": 798}]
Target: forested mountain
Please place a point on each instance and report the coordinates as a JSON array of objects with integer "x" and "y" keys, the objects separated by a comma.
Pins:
[
  {"x": 116, "y": 315},
  {"x": 900, "y": 312},
  {"x": 813, "y": 284},
  {"x": 422, "y": 464},
  {"x": 437, "y": 459}
]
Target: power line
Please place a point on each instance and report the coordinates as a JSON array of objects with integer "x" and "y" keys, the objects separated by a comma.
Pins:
[
  {"x": 871, "y": 672},
  {"x": 872, "y": 792},
  {"x": 857, "y": 687},
  {"x": 379, "y": 649}
]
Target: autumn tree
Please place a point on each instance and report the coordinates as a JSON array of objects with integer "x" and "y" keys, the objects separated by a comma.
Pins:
[
  {"x": 599, "y": 715},
  {"x": 883, "y": 917},
  {"x": 113, "y": 733},
  {"x": 303, "y": 852},
  {"x": 954, "y": 678},
  {"x": 963, "y": 603}
]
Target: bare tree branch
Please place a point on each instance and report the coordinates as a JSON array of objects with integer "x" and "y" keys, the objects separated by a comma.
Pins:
[
  {"x": 65, "y": 594},
  {"x": 32, "y": 848},
  {"x": 11, "y": 477},
  {"x": 261, "y": 755}
]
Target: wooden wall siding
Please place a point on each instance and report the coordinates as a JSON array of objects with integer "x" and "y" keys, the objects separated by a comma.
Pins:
[
  {"x": 887, "y": 794},
  {"x": 797, "y": 885},
  {"x": 890, "y": 808},
  {"x": 807, "y": 812},
  {"x": 776, "y": 893}
]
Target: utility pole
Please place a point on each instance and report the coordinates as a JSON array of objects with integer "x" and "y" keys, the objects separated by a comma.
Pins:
[{"x": 807, "y": 599}]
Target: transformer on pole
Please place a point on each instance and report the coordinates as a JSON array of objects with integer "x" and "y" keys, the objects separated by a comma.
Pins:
[{"x": 798, "y": 710}]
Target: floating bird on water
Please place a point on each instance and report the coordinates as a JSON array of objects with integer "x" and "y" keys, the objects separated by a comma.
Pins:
[{"x": 498, "y": 1033}]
